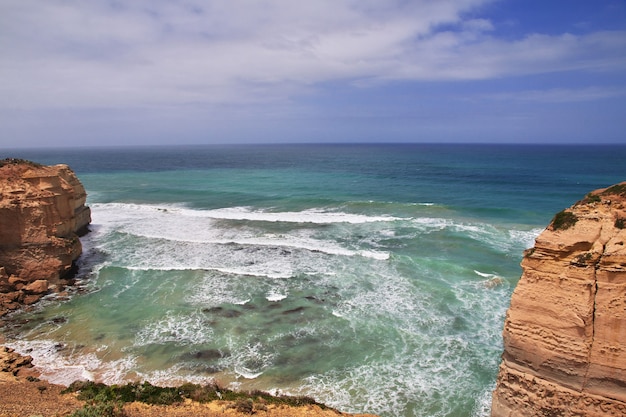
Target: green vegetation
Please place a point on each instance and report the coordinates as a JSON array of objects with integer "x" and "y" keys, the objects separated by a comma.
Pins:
[
  {"x": 582, "y": 259},
  {"x": 620, "y": 223},
  {"x": 16, "y": 161},
  {"x": 564, "y": 220},
  {"x": 146, "y": 393},
  {"x": 619, "y": 189},
  {"x": 106, "y": 409},
  {"x": 592, "y": 198},
  {"x": 104, "y": 400}
]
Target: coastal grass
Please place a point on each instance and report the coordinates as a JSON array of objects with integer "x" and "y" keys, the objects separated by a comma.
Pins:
[
  {"x": 615, "y": 190},
  {"x": 618, "y": 189},
  {"x": 592, "y": 198},
  {"x": 18, "y": 161},
  {"x": 564, "y": 220},
  {"x": 105, "y": 400},
  {"x": 104, "y": 409}
]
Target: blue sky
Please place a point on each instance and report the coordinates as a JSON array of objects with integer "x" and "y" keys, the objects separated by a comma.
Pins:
[{"x": 108, "y": 72}]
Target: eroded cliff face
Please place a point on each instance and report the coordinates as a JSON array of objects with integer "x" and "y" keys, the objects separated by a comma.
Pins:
[
  {"x": 42, "y": 213},
  {"x": 565, "y": 330}
]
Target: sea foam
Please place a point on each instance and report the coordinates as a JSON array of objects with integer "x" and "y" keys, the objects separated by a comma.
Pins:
[
  {"x": 232, "y": 258},
  {"x": 59, "y": 366},
  {"x": 182, "y": 226}
]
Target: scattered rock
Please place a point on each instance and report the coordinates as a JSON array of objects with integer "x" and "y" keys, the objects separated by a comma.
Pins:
[
  {"x": 39, "y": 286},
  {"x": 13, "y": 362}
]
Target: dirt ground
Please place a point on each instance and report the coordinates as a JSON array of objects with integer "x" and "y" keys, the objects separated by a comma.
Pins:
[{"x": 20, "y": 397}]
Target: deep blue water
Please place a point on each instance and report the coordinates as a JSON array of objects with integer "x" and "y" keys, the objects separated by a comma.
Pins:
[{"x": 372, "y": 277}]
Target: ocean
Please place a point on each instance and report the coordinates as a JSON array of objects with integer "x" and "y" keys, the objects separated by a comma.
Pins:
[{"x": 374, "y": 278}]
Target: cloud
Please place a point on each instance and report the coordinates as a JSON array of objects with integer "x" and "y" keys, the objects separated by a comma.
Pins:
[
  {"x": 561, "y": 95},
  {"x": 109, "y": 53},
  {"x": 448, "y": 56}
]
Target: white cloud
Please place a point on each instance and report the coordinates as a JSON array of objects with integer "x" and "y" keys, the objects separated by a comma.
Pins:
[{"x": 64, "y": 54}]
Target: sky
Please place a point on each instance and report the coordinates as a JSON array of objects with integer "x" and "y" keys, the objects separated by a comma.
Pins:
[{"x": 154, "y": 72}]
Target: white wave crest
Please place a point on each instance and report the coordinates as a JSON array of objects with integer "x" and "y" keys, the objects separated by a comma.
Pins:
[
  {"x": 247, "y": 373},
  {"x": 317, "y": 216},
  {"x": 525, "y": 237},
  {"x": 485, "y": 275},
  {"x": 189, "y": 226},
  {"x": 58, "y": 366},
  {"x": 274, "y": 296},
  {"x": 314, "y": 215},
  {"x": 483, "y": 403}
]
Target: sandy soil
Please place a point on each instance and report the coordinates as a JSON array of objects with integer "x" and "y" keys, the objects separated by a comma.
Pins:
[{"x": 20, "y": 397}]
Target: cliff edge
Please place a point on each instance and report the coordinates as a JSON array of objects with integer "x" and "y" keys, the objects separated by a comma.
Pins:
[
  {"x": 42, "y": 213},
  {"x": 565, "y": 330}
]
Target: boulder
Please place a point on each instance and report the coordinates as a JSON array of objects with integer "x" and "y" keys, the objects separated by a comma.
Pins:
[{"x": 39, "y": 286}]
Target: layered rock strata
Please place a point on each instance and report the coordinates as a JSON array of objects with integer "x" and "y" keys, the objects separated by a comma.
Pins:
[
  {"x": 13, "y": 362},
  {"x": 42, "y": 213},
  {"x": 565, "y": 330}
]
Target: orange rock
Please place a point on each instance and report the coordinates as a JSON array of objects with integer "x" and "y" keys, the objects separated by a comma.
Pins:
[
  {"x": 565, "y": 330},
  {"x": 11, "y": 361},
  {"x": 42, "y": 213},
  {"x": 39, "y": 286},
  {"x": 30, "y": 299}
]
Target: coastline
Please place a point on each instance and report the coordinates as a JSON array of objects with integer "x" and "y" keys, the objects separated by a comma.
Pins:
[
  {"x": 21, "y": 378},
  {"x": 43, "y": 215},
  {"x": 23, "y": 394},
  {"x": 347, "y": 338}
]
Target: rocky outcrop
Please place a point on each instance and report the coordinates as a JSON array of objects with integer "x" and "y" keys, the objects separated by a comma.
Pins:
[
  {"x": 565, "y": 330},
  {"x": 13, "y": 362},
  {"x": 42, "y": 213}
]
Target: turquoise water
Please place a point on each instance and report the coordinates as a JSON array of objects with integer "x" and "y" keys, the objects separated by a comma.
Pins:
[{"x": 374, "y": 278}]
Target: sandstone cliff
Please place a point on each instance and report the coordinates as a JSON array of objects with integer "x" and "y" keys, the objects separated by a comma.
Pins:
[
  {"x": 565, "y": 330},
  {"x": 42, "y": 213}
]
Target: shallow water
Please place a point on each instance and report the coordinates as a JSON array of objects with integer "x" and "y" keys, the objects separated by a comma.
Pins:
[{"x": 373, "y": 278}]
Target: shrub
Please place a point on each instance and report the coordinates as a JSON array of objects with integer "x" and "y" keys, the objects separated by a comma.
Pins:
[
  {"x": 582, "y": 259},
  {"x": 618, "y": 189},
  {"x": 620, "y": 223},
  {"x": 244, "y": 405},
  {"x": 18, "y": 161},
  {"x": 145, "y": 392},
  {"x": 592, "y": 198},
  {"x": 107, "y": 409},
  {"x": 564, "y": 220},
  {"x": 202, "y": 394},
  {"x": 106, "y": 400}
]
